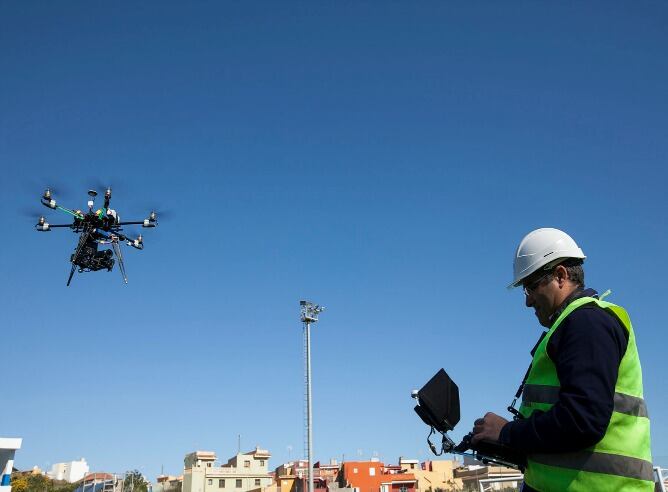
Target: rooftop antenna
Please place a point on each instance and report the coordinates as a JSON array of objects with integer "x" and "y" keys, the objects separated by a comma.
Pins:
[{"x": 309, "y": 314}]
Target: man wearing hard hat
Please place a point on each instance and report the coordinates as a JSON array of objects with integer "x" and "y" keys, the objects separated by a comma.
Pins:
[{"x": 582, "y": 422}]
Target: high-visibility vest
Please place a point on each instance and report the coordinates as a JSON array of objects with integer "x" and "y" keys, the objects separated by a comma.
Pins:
[{"x": 622, "y": 460}]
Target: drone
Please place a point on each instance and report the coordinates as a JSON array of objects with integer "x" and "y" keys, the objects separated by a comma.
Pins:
[{"x": 96, "y": 227}]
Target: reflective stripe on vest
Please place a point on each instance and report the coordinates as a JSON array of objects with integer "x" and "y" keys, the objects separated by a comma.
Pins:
[
  {"x": 538, "y": 393},
  {"x": 611, "y": 464},
  {"x": 621, "y": 460}
]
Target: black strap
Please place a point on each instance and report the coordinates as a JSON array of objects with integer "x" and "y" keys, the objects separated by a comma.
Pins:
[{"x": 512, "y": 408}]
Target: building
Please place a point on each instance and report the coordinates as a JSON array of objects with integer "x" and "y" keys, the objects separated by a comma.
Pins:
[
  {"x": 293, "y": 476},
  {"x": 290, "y": 477},
  {"x": 433, "y": 475},
  {"x": 374, "y": 476},
  {"x": 8, "y": 447},
  {"x": 168, "y": 483},
  {"x": 494, "y": 477},
  {"x": 326, "y": 474},
  {"x": 71, "y": 471},
  {"x": 242, "y": 473},
  {"x": 100, "y": 482}
]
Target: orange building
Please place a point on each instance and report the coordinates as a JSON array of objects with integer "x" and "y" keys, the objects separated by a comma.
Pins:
[{"x": 374, "y": 476}]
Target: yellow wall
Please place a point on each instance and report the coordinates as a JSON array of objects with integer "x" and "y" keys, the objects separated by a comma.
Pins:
[{"x": 441, "y": 476}]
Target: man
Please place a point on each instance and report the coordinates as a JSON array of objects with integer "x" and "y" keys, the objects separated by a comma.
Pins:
[{"x": 583, "y": 423}]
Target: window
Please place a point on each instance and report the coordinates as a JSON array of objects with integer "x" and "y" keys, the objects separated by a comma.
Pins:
[
  {"x": 372, "y": 472},
  {"x": 261, "y": 462},
  {"x": 221, "y": 483},
  {"x": 209, "y": 482},
  {"x": 209, "y": 464},
  {"x": 257, "y": 482},
  {"x": 403, "y": 488},
  {"x": 238, "y": 483},
  {"x": 247, "y": 464},
  {"x": 354, "y": 470}
]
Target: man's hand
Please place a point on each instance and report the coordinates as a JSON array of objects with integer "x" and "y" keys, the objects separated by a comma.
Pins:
[{"x": 488, "y": 428}]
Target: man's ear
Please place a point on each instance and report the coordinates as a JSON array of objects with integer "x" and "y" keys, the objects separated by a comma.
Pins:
[{"x": 561, "y": 274}]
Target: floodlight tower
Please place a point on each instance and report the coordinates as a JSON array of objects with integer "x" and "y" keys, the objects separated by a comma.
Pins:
[{"x": 309, "y": 314}]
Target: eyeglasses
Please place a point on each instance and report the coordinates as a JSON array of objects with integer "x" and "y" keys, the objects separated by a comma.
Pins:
[{"x": 531, "y": 288}]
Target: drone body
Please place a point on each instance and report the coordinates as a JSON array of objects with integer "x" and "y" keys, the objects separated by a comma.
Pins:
[{"x": 96, "y": 227}]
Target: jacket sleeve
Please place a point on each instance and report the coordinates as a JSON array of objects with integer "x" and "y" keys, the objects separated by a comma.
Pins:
[{"x": 587, "y": 349}]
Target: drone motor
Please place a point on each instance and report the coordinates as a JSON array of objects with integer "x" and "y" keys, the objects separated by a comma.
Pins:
[{"x": 42, "y": 225}]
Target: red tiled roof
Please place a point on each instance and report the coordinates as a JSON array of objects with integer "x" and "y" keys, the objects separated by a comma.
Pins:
[{"x": 98, "y": 476}]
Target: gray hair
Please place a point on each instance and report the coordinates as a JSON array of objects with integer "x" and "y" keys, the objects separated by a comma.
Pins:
[{"x": 575, "y": 271}]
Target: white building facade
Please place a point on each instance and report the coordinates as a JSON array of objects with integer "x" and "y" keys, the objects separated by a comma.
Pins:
[
  {"x": 71, "y": 471},
  {"x": 8, "y": 447},
  {"x": 244, "y": 472}
]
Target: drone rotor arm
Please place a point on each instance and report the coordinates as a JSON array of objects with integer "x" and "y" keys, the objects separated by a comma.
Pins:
[
  {"x": 45, "y": 226},
  {"x": 52, "y": 205},
  {"x": 134, "y": 222},
  {"x": 137, "y": 243}
]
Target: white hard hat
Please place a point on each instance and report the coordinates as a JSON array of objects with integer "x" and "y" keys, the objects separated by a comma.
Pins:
[{"x": 541, "y": 248}]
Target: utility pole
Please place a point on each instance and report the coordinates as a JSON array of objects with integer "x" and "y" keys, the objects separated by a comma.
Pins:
[{"x": 309, "y": 314}]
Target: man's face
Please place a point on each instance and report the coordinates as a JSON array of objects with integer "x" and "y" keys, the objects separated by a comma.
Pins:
[{"x": 542, "y": 294}]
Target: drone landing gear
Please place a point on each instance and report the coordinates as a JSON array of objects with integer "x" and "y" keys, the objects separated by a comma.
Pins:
[{"x": 121, "y": 266}]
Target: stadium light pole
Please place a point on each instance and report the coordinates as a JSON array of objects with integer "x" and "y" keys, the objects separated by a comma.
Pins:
[{"x": 309, "y": 314}]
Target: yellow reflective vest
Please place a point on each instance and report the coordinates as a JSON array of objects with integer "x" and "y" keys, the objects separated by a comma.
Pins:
[{"x": 622, "y": 460}]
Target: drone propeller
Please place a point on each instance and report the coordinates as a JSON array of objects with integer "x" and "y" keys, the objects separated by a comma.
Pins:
[
  {"x": 55, "y": 189},
  {"x": 159, "y": 214},
  {"x": 104, "y": 186},
  {"x": 31, "y": 212}
]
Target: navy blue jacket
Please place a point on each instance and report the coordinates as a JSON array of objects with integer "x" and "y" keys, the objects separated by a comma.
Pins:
[{"x": 587, "y": 349}]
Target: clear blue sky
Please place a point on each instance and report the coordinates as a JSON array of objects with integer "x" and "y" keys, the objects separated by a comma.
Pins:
[{"x": 381, "y": 158}]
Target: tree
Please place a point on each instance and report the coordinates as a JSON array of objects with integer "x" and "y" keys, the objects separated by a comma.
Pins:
[
  {"x": 19, "y": 483},
  {"x": 134, "y": 482},
  {"x": 36, "y": 482}
]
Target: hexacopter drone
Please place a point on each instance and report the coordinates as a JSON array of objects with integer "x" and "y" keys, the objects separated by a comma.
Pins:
[{"x": 96, "y": 227}]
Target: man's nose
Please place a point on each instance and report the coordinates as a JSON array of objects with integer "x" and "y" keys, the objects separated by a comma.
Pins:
[{"x": 528, "y": 300}]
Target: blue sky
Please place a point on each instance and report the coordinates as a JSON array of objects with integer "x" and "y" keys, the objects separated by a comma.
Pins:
[{"x": 381, "y": 158}]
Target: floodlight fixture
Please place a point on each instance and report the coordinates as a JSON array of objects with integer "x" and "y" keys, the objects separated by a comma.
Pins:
[{"x": 310, "y": 311}]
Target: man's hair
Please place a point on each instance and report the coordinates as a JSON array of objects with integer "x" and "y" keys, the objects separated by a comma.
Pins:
[{"x": 575, "y": 271}]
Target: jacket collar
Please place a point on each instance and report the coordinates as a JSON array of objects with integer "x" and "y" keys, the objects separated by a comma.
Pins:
[{"x": 577, "y": 294}]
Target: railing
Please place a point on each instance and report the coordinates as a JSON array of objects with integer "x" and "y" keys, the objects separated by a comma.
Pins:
[
  {"x": 491, "y": 481},
  {"x": 222, "y": 470},
  {"x": 660, "y": 479}
]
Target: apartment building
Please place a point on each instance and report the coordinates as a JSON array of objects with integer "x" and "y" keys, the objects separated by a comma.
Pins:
[
  {"x": 497, "y": 477},
  {"x": 244, "y": 472},
  {"x": 374, "y": 476},
  {"x": 434, "y": 475},
  {"x": 167, "y": 483},
  {"x": 293, "y": 476},
  {"x": 70, "y": 471}
]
